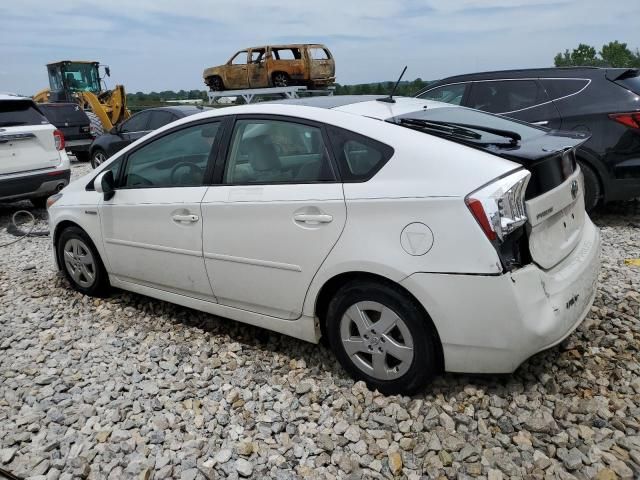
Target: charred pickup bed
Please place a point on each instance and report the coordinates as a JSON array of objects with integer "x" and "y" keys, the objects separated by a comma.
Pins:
[{"x": 274, "y": 66}]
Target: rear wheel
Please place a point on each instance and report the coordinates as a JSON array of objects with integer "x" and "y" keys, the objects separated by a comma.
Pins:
[
  {"x": 592, "y": 190},
  {"x": 81, "y": 262},
  {"x": 98, "y": 157},
  {"x": 281, "y": 79},
  {"x": 380, "y": 335}
]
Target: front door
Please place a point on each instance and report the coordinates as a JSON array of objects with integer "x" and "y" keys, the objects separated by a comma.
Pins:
[
  {"x": 274, "y": 219},
  {"x": 152, "y": 227}
]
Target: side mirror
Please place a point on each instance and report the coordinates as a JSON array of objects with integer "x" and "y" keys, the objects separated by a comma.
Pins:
[
  {"x": 115, "y": 130},
  {"x": 107, "y": 71},
  {"x": 105, "y": 184}
]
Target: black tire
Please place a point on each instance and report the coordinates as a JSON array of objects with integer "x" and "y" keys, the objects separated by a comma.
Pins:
[
  {"x": 215, "y": 84},
  {"x": 98, "y": 157},
  {"x": 281, "y": 79},
  {"x": 98, "y": 286},
  {"x": 424, "y": 363},
  {"x": 39, "y": 202},
  {"x": 82, "y": 156},
  {"x": 96, "y": 126},
  {"x": 592, "y": 189}
]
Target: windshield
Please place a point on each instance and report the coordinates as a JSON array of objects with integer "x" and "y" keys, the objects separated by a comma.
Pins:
[
  {"x": 490, "y": 125},
  {"x": 74, "y": 77}
]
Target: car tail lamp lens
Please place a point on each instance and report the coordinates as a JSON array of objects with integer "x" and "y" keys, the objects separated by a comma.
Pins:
[
  {"x": 59, "y": 139},
  {"x": 53, "y": 199},
  {"x": 631, "y": 120},
  {"x": 499, "y": 207}
]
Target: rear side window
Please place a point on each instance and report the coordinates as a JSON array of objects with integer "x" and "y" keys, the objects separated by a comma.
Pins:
[
  {"x": 317, "y": 53},
  {"x": 505, "y": 96},
  {"x": 630, "y": 83},
  {"x": 137, "y": 123},
  {"x": 563, "y": 87},
  {"x": 287, "y": 53},
  {"x": 359, "y": 157},
  {"x": 448, "y": 93},
  {"x": 15, "y": 113}
]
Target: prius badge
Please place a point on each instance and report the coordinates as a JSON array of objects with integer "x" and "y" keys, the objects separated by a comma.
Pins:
[{"x": 574, "y": 189}]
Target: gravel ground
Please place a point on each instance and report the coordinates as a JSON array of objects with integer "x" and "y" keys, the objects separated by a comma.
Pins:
[{"x": 130, "y": 387}]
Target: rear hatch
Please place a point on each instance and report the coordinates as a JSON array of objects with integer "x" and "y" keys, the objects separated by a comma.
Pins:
[
  {"x": 26, "y": 138},
  {"x": 321, "y": 65},
  {"x": 69, "y": 118},
  {"x": 553, "y": 198}
]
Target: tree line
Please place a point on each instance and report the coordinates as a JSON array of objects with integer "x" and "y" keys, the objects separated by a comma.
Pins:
[{"x": 612, "y": 54}]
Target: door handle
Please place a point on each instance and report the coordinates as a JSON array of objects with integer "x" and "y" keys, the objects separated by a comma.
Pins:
[
  {"x": 541, "y": 122},
  {"x": 313, "y": 218},
  {"x": 185, "y": 218}
]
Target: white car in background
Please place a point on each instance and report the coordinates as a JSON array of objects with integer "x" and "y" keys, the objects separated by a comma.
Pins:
[
  {"x": 33, "y": 163},
  {"x": 416, "y": 235}
]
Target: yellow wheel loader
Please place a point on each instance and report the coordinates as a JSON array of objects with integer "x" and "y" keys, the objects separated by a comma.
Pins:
[{"x": 80, "y": 82}]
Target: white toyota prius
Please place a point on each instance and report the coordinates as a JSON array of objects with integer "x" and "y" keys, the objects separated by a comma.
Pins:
[{"x": 417, "y": 236}]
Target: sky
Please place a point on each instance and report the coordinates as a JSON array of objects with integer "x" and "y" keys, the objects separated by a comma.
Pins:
[{"x": 164, "y": 45}]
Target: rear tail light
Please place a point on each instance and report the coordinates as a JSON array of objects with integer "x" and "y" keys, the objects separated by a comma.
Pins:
[
  {"x": 499, "y": 206},
  {"x": 59, "y": 139},
  {"x": 631, "y": 119}
]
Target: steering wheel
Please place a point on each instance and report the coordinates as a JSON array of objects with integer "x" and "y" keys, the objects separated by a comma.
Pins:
[{"x": 193, "y": 169}]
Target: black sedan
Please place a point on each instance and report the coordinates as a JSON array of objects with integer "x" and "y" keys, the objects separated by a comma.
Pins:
[{"x": 136, "y": 127}]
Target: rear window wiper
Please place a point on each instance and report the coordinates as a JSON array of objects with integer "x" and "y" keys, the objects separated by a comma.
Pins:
[
  {"x": 513, "y": 137},
  {"x": 440, "y": 127}
]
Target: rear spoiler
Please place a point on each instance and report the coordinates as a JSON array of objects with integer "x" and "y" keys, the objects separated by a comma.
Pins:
[{"x": 614, "y": 74}]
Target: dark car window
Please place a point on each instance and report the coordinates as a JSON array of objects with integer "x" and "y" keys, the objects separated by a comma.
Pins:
[
  {"x": 20, "y": 112},
  {"x": 563, "y": 87},
  {"x": 359, "y": 157},
  {"x": 159, "y": 118},
  {"x": 631, "y": 82},
  {"x": 137, "y": 123},
  {"x": 448, "y": 93},
  {"x": 274, "y": 151},
  {"x": 176, "y": 159},
  {"x": 505, "y": 95}
]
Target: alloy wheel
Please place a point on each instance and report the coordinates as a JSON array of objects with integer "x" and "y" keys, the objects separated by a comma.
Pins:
[
  {"x": 377, "y": 340},
  {"x": 79, "y": 262},
  {"x": 98, "y": 159}
]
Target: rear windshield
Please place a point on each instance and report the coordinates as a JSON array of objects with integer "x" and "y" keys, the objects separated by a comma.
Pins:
[
  {"x": 468, "y": 117},
  {"x": 20, "y": 112},
  {"x": 630, "y": 83},
  {"x": 60, "y": 114}
]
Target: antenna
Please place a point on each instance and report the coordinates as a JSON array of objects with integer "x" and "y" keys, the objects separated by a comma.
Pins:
[{"x": 390, "y": 99}]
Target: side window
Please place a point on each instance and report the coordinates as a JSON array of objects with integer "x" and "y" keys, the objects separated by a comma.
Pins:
[
  {"x": 274, "y": 151},
  {"x": 160, "y": 118},
  {"x": 137, "y": 123},
  {"x": 178, "y": 159},
  {"x": 359, "y": 157},
  {"x": 317, "y": 53},
  {"x": 240, "y": 58},
  {"x": 287, "y": 53},
  {"x": 447, "y": 93},
  {"x": 505, "y": 96},
  {"x": 258, "y": 56},
  {"x": 560, "y": 87}
]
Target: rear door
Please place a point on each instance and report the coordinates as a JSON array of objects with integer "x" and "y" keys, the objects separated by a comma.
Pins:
[
  {"x": 274, "y": 218},
  {"x": 160, "y": 118},
  {"x": 321, "y": 63},
  {"x": 257, "y": 68},
  {"x": 26, "y": 138},
  {"x": 523, "y": 99}
]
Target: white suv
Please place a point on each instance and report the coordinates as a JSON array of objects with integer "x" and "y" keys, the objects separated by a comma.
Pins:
[
  {"x": 33, "y": 163},
  {"x": 417, "y": 236}
]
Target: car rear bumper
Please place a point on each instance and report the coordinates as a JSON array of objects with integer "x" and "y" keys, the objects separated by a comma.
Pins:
[
  {"x": 78, "y": 145},
  {"x": 491, "y": 324},
  {"x": 34, "y": 185}
]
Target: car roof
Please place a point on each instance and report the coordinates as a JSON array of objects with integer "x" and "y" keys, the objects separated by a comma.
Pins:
[
  {"x": 12, "y": 96},
  {"x": 183, "y": 110},
  {"x": 552, "y": 72},
  {"x": 366, "y": 105},
  {"x": 287, "y": 45}
]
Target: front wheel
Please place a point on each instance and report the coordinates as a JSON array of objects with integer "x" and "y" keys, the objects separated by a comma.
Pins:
[
  {"x": 98, "y": 157},
  {"x": 81, "y": 262},
  {"x": 380, "y": 335}
]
